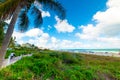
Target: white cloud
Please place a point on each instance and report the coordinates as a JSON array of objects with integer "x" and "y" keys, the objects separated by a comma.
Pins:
[
  {"x": 54, "y": 40},
  {"x": 106, "y": 33},
  {"x": 54, "y": 43},
  {"x": 65, "y": 44},
  {"x": 39, "y": 6},
  {"x": 44, "y": 40},
  {"x": 34, "y": 32},
  {"x": 35, "y": 36},
  {"x": 113, "y": 3},
  {"x": 72, "y": 44},
  {"x": 108, "y": 22},
  {"x": 63, "y": 26},
  {"x": 89, "y": 32},
  {"x": 45, "y": 14}
]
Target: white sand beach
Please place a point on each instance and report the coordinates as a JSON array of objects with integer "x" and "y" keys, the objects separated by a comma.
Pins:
[{"x": 104, "y": 54}]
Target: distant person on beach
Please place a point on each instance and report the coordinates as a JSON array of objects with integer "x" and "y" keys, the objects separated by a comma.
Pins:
[
  {"x": 119, "y": 53},
  {"x": 12, "y": 55}
]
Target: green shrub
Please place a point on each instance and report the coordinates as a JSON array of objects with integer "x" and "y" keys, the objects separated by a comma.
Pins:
[
  {"x": 68, "y": 58},
  {"x": 55, "y": 65}
]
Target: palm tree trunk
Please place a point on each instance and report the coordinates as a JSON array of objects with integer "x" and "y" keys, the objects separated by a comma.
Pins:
[{"x": 8, "y": 35}]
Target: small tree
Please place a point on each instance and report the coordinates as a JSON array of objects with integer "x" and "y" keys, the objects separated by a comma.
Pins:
[{"x": 10, "y": 9}]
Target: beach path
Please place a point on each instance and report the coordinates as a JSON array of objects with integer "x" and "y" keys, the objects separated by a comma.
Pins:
[{"x": 13, "y": 60}]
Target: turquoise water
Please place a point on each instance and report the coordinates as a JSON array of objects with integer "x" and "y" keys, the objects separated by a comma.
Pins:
[{"x": 93, "y": 50}]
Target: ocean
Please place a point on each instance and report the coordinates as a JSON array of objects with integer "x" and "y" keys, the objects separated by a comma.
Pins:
[{"x": 93, "y": 50}]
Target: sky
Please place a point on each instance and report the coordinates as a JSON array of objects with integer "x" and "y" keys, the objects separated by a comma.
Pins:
[{"x": 89, "y": 24}]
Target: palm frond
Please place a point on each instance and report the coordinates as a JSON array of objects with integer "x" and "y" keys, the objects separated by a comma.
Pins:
[
  {"x": 3, "y": 24},
  {"x": 55, "y": 6},
  {"x": 23, "y": 21},
  {"x": 7, "y": 8},
  {"x": 2, "y": 1},
  {"x": 38, "y": 16}
]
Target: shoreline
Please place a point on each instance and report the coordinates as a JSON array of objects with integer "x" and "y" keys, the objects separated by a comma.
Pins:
[
  {"x": 110, "y": 54},
  {"x": 102, "y": 54}
]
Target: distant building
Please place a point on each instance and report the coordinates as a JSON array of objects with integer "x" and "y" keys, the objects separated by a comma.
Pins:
[{"x": 28, "y": 45}]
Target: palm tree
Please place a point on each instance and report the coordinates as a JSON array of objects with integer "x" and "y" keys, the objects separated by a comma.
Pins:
[
  {"x": 1, "y": 32},
  {"x": 13, "y": 9},
  {"x": 12, "y": 43}
]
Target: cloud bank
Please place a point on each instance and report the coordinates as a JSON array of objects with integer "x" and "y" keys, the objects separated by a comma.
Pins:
[
  {"x": 63, "y": 26},
  {"x": 106, "y": 32},
  {"x": 39, "y": 38}
]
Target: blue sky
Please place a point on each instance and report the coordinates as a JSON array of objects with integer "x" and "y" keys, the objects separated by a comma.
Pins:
[
  {"x": 77, "y": 13},
  {"x": 88, "y": 24}
]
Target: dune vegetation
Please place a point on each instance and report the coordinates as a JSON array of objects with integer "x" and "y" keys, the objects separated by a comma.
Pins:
[{"x": 56, "y": 65}]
